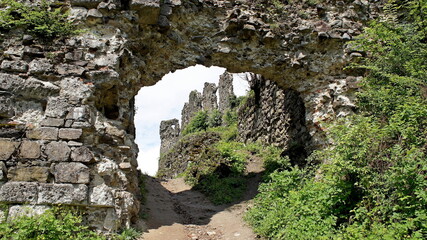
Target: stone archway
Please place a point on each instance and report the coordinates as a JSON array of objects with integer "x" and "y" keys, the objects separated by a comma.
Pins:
[{"x": 67, "y": 108}]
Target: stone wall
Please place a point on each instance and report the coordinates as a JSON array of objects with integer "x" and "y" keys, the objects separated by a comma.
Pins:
[
  {"x": 169, "y": 134},
  {"x": 74, "y": 95},
  {"x": 275, "y": 117}
]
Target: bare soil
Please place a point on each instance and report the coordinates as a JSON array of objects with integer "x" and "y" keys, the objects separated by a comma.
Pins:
[{"x": 176, "y": 212}]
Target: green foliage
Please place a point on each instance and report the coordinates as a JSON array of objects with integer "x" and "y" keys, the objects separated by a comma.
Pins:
[
  {"x": 273, "y": 160},
  {"x": 54, "y": 224},
  {"x": 128, "y": 234},
  {"x": 214, "y": 119},
  {"x": 372, "y": 182},
  {"x": 39, "y": 20},
  {"x": 230, "y": 117},
  {"x": 198, "y": 123}
]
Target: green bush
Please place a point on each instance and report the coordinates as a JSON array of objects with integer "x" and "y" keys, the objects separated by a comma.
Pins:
[
  {"x": 39, "y": 20},
  {"x": 214, "y": 119},
  {"x": 54, "y": 224},
  {"x": 198, "y": 123},
  {"x": 371, "y": 183}
]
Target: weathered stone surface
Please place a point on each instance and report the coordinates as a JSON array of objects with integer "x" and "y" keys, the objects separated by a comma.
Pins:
[
  {"x": 169, "y": 134},
  {"x": 14, "y": 66},
  {"x": 70, "y": 133},
  {"x": 57, "y": 151},
  {"x": 103, "y": 219},
  {"x": 79, "y": 114},
  {"x": 68, "y": 69},
  {"x": 62, "y": 194},
  {"x": 209, "y": 99},
  {"x": 25, "y": 210},
  {"x": 29, "y": 149},
  {"x": 31, "y": 87},
  {"x": 43, "y": 133},
  {"x": 52, "y": 122},
  {"x": 191, "y": 107},
  {"x": 40, "y": 66},
  {"x": 276, "y": 117},
  {"x": 71, "y": 173},
  {"x": 28, "y": 174},
  {"x": 82, "y": 154},
  {"x": 225, "y": 91},
  {"x": 101, "y": 196},
  {"x": 7, "y": 149},
  {"x": 3, "y": 171},
  {"x": 57, "y": 107},
  {"x": 19, "y": 192}
]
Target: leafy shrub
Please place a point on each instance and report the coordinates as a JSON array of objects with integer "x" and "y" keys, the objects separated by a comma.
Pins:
[
  {"x": 214, "y": 119},
  {"x": 372, "y": 182},
  {"x": 53, "y": 224},
  {"x": 230, "y": 118},
  {"x": 56, "y": 224},
  {"x": 39, "y": 20},
  {"x": 198, "y": 123}
]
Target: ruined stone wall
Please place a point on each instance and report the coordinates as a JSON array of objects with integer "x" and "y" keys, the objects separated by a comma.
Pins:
[
  {"x": 225, "y": 91},
  {"x": 169, "y": 134},
  {"x": 275, "y": 117},
  {"x": 64, "y": 97}
]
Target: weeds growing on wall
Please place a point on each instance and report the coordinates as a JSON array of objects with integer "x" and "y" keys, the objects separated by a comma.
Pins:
[
  {"x": 372, "y": 182},
  {"x": 41, "y": 20}
]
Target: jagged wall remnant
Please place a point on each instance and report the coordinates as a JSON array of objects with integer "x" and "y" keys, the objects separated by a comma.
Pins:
[
  {"x": 66, "y": 106},
  {"x": 191, "y": 107},
  {"x": 225, "y": 91},
  {"x": 169, "y": 134},
  {"x": 209, "y": 100}
]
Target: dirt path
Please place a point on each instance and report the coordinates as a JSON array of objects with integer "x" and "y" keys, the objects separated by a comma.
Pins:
[{"x": 178, "y": 213}]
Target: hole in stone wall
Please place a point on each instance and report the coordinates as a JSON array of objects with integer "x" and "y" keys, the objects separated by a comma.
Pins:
[
  {"x": 107, "y": 103},
  {"x": 165, "y": 101}
]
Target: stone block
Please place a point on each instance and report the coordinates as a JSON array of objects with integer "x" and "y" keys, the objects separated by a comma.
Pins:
[
  {"x": 58, "y": 151},
  {"x": 26, "y": 210},
  {"x": 7, "y": 149},
  {"x": 19, "y": 192},
  {"x": 29, "y": 149},
  {"x": 71, "y": 173},
  {"x": 67, "y": 69},
  {"x": 62, "y": 194},
  {"x": 101, "y": 196},
  {"x": 43, "y": 133},
  {"x": 103, "y": 219},
  {"x": 82, "y": 154},
  {"x": 78, "y": 113},
  {"x": 57, "y": 107},
  {"x": 53, "y": 122},
  {"x": 28, "y": 174},
  {"x": 40, "y": 66},
  {"x": 70, "y": 133},
  {"x": 14, "y": 66},
  {"x": 3, "y": 171}
]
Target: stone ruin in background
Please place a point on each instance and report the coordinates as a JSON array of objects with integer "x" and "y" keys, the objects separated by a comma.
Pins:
[{"x": 208, "y": 101}]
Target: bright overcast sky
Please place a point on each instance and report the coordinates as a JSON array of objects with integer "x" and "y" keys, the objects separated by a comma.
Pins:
[{"x": 164, "y": 101}]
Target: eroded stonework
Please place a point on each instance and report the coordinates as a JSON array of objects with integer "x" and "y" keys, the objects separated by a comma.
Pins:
[{"x": 79, "y": 92}]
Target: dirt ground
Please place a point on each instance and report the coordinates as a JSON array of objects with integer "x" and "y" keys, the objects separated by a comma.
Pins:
[{"x": 175, "y": 212}]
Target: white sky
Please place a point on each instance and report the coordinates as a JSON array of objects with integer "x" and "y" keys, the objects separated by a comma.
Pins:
[{"x": 164, "y": 101}]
